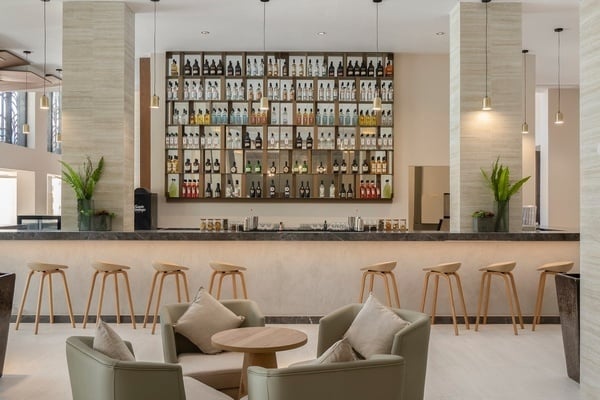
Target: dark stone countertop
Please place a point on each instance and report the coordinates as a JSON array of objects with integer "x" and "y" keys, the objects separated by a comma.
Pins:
[{"x": 195, "y": 235}]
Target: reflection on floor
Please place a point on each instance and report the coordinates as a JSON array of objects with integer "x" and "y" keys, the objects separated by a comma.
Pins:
[{"x": 491, "y": 364}]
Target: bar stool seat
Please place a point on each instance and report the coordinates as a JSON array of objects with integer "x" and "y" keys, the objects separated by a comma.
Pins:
[
  {"x": 165, "y": 269},
  {"x": 504, "y": 270},
  {"x": 384, "y": 270},
  {"x": 107, "y": 269},
  {"x": 552, "y": 268},
  {"x": 446, "y": 270},
  {"x": 223, "y": 270},
  {"x": 47, "y": 270}
]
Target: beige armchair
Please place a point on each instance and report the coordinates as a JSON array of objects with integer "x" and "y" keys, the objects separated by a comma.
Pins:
[
  {"x": 411, "y": 343},
  {"x": 222, "y": 371},
  {"x": 95, "y": 376},
  {"x": 382, "y": 377}
]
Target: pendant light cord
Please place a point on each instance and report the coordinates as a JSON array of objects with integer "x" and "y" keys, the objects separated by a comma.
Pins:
[
  {"x": 44, "y": 1},
  {"x": 525, "y": 85},
  {"x": 154, "y": 56},
  {"x": 377, "y": 28},
  {"x": 559, "y": 69},
  {"x": 486, "y": 49},
  {"x": 264, "y": 26}
]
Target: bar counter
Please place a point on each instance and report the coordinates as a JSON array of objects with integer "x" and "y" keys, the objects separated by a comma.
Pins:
[{"x": 290, "y": 273}]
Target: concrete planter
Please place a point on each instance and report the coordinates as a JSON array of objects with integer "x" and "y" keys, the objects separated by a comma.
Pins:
[
  {"x": 567, "y": 293},
  {"x": 7, "y": 291}
]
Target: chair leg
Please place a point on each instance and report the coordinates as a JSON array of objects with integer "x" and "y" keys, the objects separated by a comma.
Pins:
[
  {"x": 396, "y": 295},
  {"x": 243, "y": 280},
  {"x": 487, "y": 297},
  {"x": 89, "y": 302},
  {"x": 234, "y": 283},
  {"x": 538, "y": 300},
  {"x": 39, "y": 304},
  {"x": 425, "y": 287},
  {"x": 50, "y": 297},
  {"x": 221, "y": 276},
  {"x": 452, "y": 307},
  {"x": 160, "y": 288},
  {"x": 212, "y": 281},
  {"x": 510, "y": 301},
  {"x": 185, "y": 286},
  {"x": 462, "y": 298},
  {"x": 149, "y": 303},
  {"x": 101, "y": 299},
  {"x": 387, "y": 288},
  {"x": 362, "y": 286},
  {"x": 435, "y": 296},
  {"x": 68, "y": 298},
  {"x": 118, "y": 304},
  {"x": 480, "y": 301},
  {"x": 514, "y": 289},
  {"x": 372, "y": 276},
  {"x": 178, "y": 286},
  {"x": 129, "y": 298},
  {"x": 20, "y": 314}
]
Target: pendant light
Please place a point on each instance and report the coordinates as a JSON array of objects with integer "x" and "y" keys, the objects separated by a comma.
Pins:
[
  {"x": 264, "y": 100},
  {"x": 26, "y": 125},
  {"x": 155, "y": 101},
  {"x": 558, "y": 117},
  {"x": 44, "y": 102},
  {"x": 377, "y": 98},
  {"x": 487, "y": 101},
  {"x": 59, "y": 72},
  {"x": 525, "y": 126}
]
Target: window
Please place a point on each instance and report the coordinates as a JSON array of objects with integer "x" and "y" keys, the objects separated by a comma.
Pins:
[
  {"x": 54, "y": 123},
  {"x": 13, "y": 114}
]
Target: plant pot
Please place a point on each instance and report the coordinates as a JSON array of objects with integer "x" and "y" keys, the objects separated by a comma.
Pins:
[
  {"x": 102, "y": 223},
  {"x": 85, "y": 211},
  {"x": 483, "y": 224},
  {"x": 7, "y": 291},
  {"x": 502, "y": 220}
]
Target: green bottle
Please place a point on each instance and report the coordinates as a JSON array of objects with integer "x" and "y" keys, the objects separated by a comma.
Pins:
[
  {"x": 387, "y": 190},
  {"x": 173, "y": 189}
]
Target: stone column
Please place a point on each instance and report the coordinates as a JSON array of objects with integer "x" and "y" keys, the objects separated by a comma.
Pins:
[
  {"x": 478, "y": 137},
  {"x": 98, "y": 103},
  {"x": 590, "y": 192}
]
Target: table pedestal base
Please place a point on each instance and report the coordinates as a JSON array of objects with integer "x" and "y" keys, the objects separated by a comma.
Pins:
[{"x": 265, "y": 360}]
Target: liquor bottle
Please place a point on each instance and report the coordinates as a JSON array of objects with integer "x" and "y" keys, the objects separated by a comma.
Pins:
[
  {"x": 323, "y": 72},
  {"x": 272, "y": 189},
  {"x": 384, "y": 165},
  {"x": 229, "y": 189},
  {"x": 286, "y": 141},
  {"x": 387, "y": 190},
  {"x": 294, "y": 67},
  {"x": 373, "y": 165},
  {"x": 321, "y": 168},
  {"x": 258, "y": 141},
  {"x": 302, "y": 190},
  {"x": 299, "y": 141},
  {"x": 321, "y": 190},
  {"x": 274, "y": 120},
  {"x": 331, "y": 118},
  {"x": 336, "y": 167},
  {"x": 218, "y": 190},
  {"x": 301, "y": 68},
  {"x": 272, "y": 168},
  {"x": 258, "y": 190},
  {"x": 270, "y": 68},
  {"x": 196, "y": 166},
  {"x": 284, "y": 70},
  {"x": 248, "y": 168},
  {"x": 379, "y": 70},
  {"x": 349, "y": 193},
  {"x": 286, "y": 168},
  {"x": 371, "y": 69},
  {"x": 207, "y": 166},
  {"x": 247, "y": 141},
  {"x": 205, "y": 67},
  {"x": 305, "y": 117},
  {"x": 304, "y": 167},
  {"x": 213, "y": 68},
  {"x": 187, "y": 166},
  {"x": 237, "y": 190},
  {"x": 296, "y": 168},
  {"x": 276, "y": 68},
  {"x": 254, "y": 68},
  {"x": 248, "y": 67},
  {"x": 238, "y": 68},
  {"x": 365, "y": 167},
  {"x": 317, "y": 69},
  {"x": 363, "y": 68},
  {"x": 389, "y": 69},
  {"x": 173, "y": 189},
  {"x": 377, "y": 190},
  {"x": 354, "y": 167},
  {"x": 229, "y": 68},
  {"x": 252, "y": 190},
  {"x": 340, "y": 69},
  {"x": 343, "y": 167},
  {"x": 219, "y": 70},
  {"x": 332, "y": 190},
  {"x": 309, "y": 68},
  {"x": 257, "y": 167},
  {"x": 233, "y": 168},
  {"x": 307, "y": 190},
  {"x": 208, "y": 193},
  {"x": 187, "y": 68},
  {"x": 331, "y": 70},
  {"x": 286, "y": 190},
  {"x": 216, "y": 168},
  {"x": 342, "y": 192},
  {"x": 196, "y": 68},
  {"x": 309, "y": 141},
  {"x": 362, "y": 191},
  {"x": 174, "y": 68},
  {"x": 349, "y": 69}
]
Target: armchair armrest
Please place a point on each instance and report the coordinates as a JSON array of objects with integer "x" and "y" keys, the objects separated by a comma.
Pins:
[
  {"x": 380, "y": 377},
  {"x": 148, "y": 381}
]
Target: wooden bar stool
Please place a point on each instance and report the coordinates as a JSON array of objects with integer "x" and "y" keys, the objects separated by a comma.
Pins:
[
  {"x": 165, "y": 269},
  {"x": 385, "y": 271},
  {"x": 446, "y": 271},
  {"x": 223, "y": 269},
  {"x": 504, "y": 270},
  {"x": 47, "y": 270},
  {"x": 553, "y": 268},
  {"x": 107, "y": 269}
]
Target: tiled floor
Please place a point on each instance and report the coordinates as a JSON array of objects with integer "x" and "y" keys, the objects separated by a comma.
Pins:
[{"x": 491, "y": 364}]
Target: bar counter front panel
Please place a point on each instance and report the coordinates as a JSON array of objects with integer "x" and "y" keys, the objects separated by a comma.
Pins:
[{"x": 290, "y": 273}]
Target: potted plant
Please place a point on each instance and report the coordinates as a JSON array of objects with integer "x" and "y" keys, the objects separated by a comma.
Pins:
[
  {"x": 499, "y": 182},
  {"x": 483, "y": 221},
  {"x": 103, "y": 220},
  {"x": 83, "y": 181}
]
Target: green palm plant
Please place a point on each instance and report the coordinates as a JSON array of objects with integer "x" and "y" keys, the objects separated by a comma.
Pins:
[
  {"x": 85, "y": 179},
  {"x": 499, "y": 182}
]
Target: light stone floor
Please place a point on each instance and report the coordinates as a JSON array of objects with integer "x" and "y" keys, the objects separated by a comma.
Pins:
[{"x": 491, "y": 364}]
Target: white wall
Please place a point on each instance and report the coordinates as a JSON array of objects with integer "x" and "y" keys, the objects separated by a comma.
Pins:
[{"x": 421, "y": 138}]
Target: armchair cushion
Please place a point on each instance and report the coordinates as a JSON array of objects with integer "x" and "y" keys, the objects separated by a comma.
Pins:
[
  {"x": 372, "y": 331},
  {"x": 205, "y": 317},
  {"x": 109, "y": 343}
]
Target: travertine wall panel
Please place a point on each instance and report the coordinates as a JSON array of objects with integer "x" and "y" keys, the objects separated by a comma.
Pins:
[{"x": 98, "y": 103}]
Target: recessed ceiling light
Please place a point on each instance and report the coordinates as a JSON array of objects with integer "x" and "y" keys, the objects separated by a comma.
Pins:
[
  {"x": 440, "y": 33},
  {"x": 205, "y": 32},
  {"x": 321, "y": 33}
]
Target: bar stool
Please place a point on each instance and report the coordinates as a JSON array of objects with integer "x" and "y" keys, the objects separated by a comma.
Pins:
[
  {"x": 47, "y": 270},
  {"x": 224, "y": 269},
  {"x": 107, "y": 269},
  {"x": 447, "y": 271},
  {"x": 553, "y": 268},
  {"x": 504, "y": 270},
  {"x": 384, "y": 270},
  {"x": 165, "y": 269}
]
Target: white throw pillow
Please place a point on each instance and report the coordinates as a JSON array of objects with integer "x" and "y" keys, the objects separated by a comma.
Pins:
[
  {"x": 373, "y": 329},
  {"x": 340, "y": 351},
  {"x": 109, "y": 343},
  {"x": 205, "y": 317}
]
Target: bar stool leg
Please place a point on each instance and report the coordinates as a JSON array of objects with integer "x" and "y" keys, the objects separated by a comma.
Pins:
[
  {"x": 538, "y": 303},
  {"x": 425, "y": 286},
  {"x": 68, "y": 297},
  {"x": 510, "y": 301},
  {"x": 396, "y": 295},
  {"x": 89, "y": 302},
  {"x": 104, "y": 276},
  {"x": 39, "y": 304},
  {"x": 372, "y": 276},
  {"x": 178, "y": 288},
  {"x": 387, "y": 288},
  {"x": 362, "y": 286},
  {"x": 20, "y": 314},
  {"x": 212, "y": 281},
  {"x": 221, "y": 276},
  {"x": 435, "y": 296},
  {"x": 185, "y": 285},
  {"x": 160, "y": 287},
  {"x": 117, "y": 298},
  {"x": 514, "y": 289},
  {"x": 233, "y": 280},
  {"x": 50, "y": 297},
  {"x": 487, "y": 297},
  {"x": 462, "y": 298},
  {"x": 243, "y": 280},
  {"x": 480, "y": 301},
  {"x": 129, "y": 298},
  {"x": 149, "y": 304},
  {"x": 452, "y": 304}
]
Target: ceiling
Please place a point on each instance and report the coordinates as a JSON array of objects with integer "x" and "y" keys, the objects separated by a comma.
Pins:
[{"x": 405, "y": 26}]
